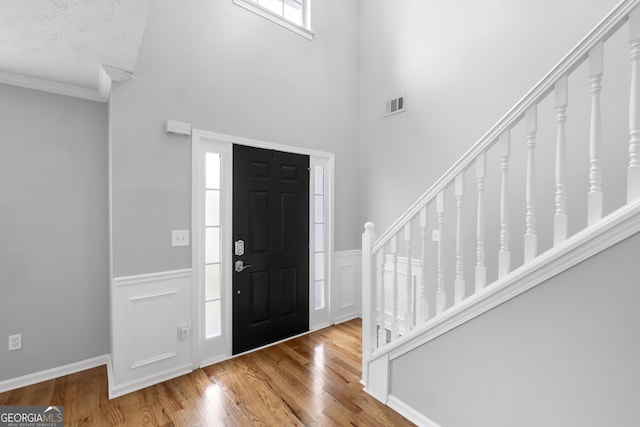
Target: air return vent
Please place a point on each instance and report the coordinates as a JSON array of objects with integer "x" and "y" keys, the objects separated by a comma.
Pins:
[{"x": 394, "y": 106}]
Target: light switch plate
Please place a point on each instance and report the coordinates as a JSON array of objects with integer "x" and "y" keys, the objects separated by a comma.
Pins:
[
  {"x": 435, "y": 235},
  {"x": 180, "y": 238}
]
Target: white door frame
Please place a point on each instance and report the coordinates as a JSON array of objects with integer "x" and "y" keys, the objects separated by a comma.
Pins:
[{"x": 203, "y": 353}]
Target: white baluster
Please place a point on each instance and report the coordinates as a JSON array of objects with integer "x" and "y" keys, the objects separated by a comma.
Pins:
[
  {"x": 459, "y": 284},
  {"x": 408, "y": 315},
  {"x": 481, "y": 269},
  {"x": 530, "y": 237},
  {"x": 414, "y": 287},
  {"x": 395, "y": 328},
  {"x": 424, "y": 234},
  {"x": 560, "y": 217},
  {"x": 441, "y": 296},
  {"x": 595, "y": 136},
  {"x": 633, "y": 171},
  {"x": 382, "y": 331},
  {"x": 504, "y": 255}
]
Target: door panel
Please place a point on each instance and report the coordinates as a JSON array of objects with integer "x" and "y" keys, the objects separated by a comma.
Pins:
[{"x": 271, "y": 216}]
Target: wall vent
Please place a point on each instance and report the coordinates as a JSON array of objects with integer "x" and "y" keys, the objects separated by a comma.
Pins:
[{"x": 395, "y": 106}]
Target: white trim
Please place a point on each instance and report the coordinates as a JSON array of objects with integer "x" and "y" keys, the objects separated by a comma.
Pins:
[
  {"x": 158, "y": 357},
  {"x": 213, "y": 360},
  {"x": 277, "y": 19},
  {"x": 116, "y": 74},
  {"x": 321, "y": 316},
  {"x": 110, "y": 376},
  {"x": 198, "y": 138},
  {"x": 378, "y": 377},
  {"x": 111, "y": 379},
  {"x": 341, "y": 319},
  {"x": 53, "y": 373},
  {"x": 202, "y": 346},
  {"x": 349, "y": 253},
  {"x": 319, "y": 326},
  {"x": 151, "y": 277},
  {"x": 260, "y": 144},
  {"x": 153, "y": 296},
  {"x": 349, "y": 261},
  {"x": 409, "y": 413},
  {"x": 616, "y": 227},
  {"x": 100, "y": 95},
  {"x": 153, "y": 359},
  {"x": 148, "y": 381}
]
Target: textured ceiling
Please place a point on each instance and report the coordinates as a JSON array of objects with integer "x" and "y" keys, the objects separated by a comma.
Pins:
[{"x": 66, "y": 41}]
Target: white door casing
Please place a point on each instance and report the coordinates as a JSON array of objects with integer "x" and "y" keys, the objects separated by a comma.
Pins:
[{"x": 209, "y": 351}]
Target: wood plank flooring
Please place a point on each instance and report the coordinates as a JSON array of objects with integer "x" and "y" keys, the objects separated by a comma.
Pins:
[{"x": 308, "y": 381}]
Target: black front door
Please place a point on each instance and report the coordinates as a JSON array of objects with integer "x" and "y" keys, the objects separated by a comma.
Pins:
[{"x": 271, "y": 246}]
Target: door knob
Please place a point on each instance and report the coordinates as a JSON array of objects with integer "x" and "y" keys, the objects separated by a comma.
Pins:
[{"x": 240, "y": 267}]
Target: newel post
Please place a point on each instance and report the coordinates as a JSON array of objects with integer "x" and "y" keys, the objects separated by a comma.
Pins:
[{"x": 368, "y": 299}]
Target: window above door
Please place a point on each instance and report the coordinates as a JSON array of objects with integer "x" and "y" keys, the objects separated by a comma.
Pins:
[{"x": 293, "y": 15}]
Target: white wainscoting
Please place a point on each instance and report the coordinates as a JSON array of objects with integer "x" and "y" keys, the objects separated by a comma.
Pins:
[
  {"x": 346, "y": 292},
  {"x": 147, "y": 311}
]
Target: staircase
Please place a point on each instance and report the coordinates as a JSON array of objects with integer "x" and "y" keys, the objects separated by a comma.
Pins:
[{"x": 454, "y": 254}]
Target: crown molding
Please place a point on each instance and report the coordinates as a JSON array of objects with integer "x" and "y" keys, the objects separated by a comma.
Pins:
[
  {"x": 107, "y": 75},
  {"x": 116, "y": 74}
]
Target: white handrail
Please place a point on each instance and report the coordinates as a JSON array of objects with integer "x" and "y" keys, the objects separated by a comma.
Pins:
[{"x": 610, "y": 24}]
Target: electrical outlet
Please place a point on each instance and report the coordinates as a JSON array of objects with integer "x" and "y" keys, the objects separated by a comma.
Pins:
[
  {"x": 180, "y": 238},
  {"x": 15, "y": 342}
]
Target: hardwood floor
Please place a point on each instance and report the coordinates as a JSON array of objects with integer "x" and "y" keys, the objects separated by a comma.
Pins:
[{"x": 308, "y": 381}]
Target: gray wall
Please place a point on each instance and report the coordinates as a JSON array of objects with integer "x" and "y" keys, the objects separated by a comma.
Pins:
[
  {"x": 224, "y": 69},
  {"x": 462, "y": 66},
  {"x": 562, "y": 354},
  {"x": 54, "y": 264}
]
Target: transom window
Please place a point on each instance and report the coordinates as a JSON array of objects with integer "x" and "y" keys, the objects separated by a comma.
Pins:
[
  {"x": 291, "y": 10},
  {"x": 291, "y": 14}
]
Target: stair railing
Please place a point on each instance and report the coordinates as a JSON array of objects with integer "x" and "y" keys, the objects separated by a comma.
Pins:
[{"x": 396, "y": 284}]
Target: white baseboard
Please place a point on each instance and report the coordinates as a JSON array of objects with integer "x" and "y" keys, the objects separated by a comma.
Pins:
[
  {"x": 213, "y": 360},
  {"x": 49, "y": 374},
  {"x": 341, "y": 319},
  {"x": 319, "y": 326},
  {"x": 136, "y": 385},
  {"x": 410, "y": 413}
]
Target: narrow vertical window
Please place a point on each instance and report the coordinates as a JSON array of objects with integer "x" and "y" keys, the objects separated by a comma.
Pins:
[
  {"x": 212, "y": 245},
  {"x": 319, "y": 237}
]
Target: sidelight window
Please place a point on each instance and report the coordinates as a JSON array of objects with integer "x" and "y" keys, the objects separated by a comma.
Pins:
[
  {"x": 213, "y": 318},
  {"x": 319, "y": 237}
]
